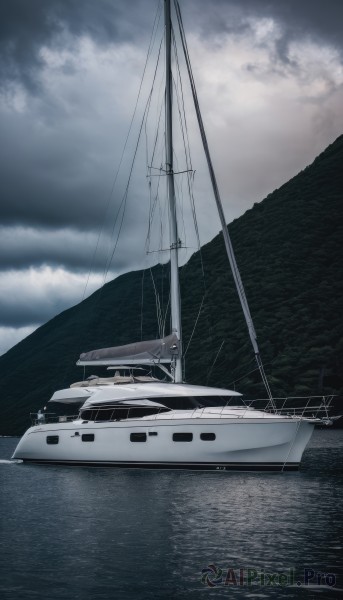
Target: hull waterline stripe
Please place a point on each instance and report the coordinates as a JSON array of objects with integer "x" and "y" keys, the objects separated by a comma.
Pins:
[{"x": 166, "y": 465}]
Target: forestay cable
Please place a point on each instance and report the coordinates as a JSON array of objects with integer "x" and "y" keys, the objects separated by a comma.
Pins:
[{"x": 227, "y": 240}]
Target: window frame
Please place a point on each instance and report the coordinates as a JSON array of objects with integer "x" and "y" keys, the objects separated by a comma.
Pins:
[
  {"x": 208, "y": 436},
  {"x": 182, "y": 436},
  {"x": 87, "y": 437},
  {"x": 137, "y": 437},
  {"x": 52, "y": 440}
]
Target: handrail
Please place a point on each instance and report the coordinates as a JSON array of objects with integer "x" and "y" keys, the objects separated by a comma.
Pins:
[{"x": 314, "y": 407}]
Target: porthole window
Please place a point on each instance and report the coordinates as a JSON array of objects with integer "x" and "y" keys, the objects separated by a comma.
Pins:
[
  {"x": 138, "y": 437},
  {"x": 182, "y": 437},
  {"x": 52, "y": 439},
  {"x": 87, "y": 437},
  {"x": 207, "y": 437}
]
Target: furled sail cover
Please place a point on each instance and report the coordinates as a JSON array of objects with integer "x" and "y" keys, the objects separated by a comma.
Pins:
[{"x": 149, "y": 352}]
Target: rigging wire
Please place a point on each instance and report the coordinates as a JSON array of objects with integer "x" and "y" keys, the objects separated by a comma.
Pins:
[
  {"x": 151, "y": 44},
  {"x": 187, "y": 147},
  {"x": 186, "y": 144},
  {"x": 125, "y": 196},
  {"x": 195, "y": 324},
  {"x": 214, "y": 362},
  {"x": 153, "y": 202},
  {"x": 243, "y": 376},
  {"x": 158, "y": 307},
  {"x": 229, "y": 249},
  {"x": 166, "y": 312},
  {"x": 190, "y": 172},
  {"x": 142, "y": 302}
]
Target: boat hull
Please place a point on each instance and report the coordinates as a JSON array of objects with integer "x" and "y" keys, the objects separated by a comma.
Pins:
[{"x": 241, "y": 445}]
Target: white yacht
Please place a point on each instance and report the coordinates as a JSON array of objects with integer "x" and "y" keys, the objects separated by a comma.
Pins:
[
  {"x": 167, "y": 425},
  {"x": 135, "y": 420}
]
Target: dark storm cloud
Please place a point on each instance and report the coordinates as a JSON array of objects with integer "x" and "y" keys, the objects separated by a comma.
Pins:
[
  {"x": 46, "y": 178},
  {"x": 319, "y": 19},
  {"x": 71, "y": 249},
  {"x": 28, "y": 25},
  {"x": 21, "y": 248},
  {"x": 17, "y": 312},
  {"x": 58, "y": 171},
  {"x": 54, "y": 160},
  {"x": 312, "y": 17},
  {"x": 65, "y": 110}
]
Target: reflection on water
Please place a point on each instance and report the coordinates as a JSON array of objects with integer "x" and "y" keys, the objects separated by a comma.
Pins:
[{"x": 107, "y": 533}]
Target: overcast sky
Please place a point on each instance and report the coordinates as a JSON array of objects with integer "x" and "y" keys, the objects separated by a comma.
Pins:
[{"x": 270, "y": 82}]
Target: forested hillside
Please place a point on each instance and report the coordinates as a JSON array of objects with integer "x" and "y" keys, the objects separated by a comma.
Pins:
[{"x": 289, "y": 250}]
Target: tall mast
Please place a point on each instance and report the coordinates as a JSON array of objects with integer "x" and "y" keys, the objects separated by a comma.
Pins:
[{"x": 174, "y": 238}]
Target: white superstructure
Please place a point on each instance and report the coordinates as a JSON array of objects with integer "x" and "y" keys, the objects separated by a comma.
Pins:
[{"x": 134, "y": 425}]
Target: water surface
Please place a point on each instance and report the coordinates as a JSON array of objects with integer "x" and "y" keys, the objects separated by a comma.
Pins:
[{"x": 97, "y": 533}]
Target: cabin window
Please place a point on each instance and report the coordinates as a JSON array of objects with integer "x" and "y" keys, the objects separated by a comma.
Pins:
[
  {"x": 182, "y": 437},
  {"x": 118, "y": 413},
  {"x": 88, "y": 415},
  {"x": 192, "y": 402},
  {"x": 207, "y": 437},
  {"x": 138, "y": 437},
  {"x": 152, "y": 432},
  {"x": 87, "y": 437},
  {"x": 104, "y": 415},
  {"x": 52, "y": 439},
  {"x": 179, "y": 402}
]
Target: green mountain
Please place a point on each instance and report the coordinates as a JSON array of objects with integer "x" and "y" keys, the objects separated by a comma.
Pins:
[{"x": 290, "y": 252}]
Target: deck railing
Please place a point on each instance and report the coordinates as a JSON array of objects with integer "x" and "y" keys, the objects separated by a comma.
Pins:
[
  {"x": 316, "y": 407},
  {"x": 313, "y": 407}
]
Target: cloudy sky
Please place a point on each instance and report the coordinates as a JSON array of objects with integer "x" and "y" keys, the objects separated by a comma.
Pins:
[{"x": 270, "y": 81}]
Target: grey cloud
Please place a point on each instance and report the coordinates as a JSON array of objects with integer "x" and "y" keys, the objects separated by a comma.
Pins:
[
  {"x": 17, "y": 312},
  {"x": 56, "y": 177},
  {"x": 21, "y": 248},
  {"x": 321, "y": 21},
  {"x": 26, "y": 26},
  {"x": 58, "y": 154},
  {"x": 73, "y": 250}
]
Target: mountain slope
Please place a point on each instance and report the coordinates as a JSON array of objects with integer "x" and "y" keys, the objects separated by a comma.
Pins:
[{"x": 289, "y": 251}]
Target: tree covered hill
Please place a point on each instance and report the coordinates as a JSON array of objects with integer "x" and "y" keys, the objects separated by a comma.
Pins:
[{"x": 289, "y": 248}]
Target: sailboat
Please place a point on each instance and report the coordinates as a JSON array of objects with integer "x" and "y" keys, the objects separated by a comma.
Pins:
[{"x": 136, "y": 420}]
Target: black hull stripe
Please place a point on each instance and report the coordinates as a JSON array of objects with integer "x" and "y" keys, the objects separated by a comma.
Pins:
[{"x": 171, "y": 465}]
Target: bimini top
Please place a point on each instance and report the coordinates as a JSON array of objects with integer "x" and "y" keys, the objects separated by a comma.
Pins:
[
  {"x": 135, "y": 391},
  {"x": 157, "y": 391},
  {"x": 142, "y": 353}
]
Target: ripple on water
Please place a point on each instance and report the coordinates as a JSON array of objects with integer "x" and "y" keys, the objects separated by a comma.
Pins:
[{"x": 103, "y": 533}]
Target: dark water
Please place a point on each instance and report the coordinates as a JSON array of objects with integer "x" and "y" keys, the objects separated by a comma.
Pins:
[{"x": 70, "y": 532}]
